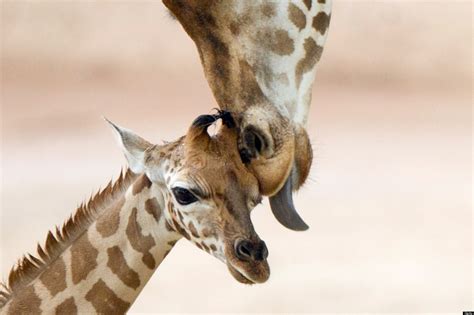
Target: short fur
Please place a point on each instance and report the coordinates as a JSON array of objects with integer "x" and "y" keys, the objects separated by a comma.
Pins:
[{"x": 30, "y": 267}]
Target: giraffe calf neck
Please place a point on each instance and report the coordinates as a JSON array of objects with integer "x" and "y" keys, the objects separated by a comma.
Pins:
[{"x": 107, "y": 266}]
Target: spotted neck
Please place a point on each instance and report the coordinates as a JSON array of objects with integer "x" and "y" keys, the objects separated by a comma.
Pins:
[
  {"x": 258, "y": 52},
  {"x": 107, "y": 266}
]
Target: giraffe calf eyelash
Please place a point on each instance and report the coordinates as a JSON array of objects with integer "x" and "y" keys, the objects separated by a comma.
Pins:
[{"x": 199, "y": 193}]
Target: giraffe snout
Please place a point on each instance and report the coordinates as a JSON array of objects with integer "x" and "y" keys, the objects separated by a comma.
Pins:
[{"x": 247, "y": 250}]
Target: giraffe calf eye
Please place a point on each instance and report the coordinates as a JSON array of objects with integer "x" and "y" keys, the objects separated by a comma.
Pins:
[{"x": 183, "y": 196}]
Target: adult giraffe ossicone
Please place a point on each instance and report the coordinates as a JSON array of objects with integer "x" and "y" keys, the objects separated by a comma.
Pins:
[
  {"x": 196, "y": 187},
  {"x": 259, "y": 57}
]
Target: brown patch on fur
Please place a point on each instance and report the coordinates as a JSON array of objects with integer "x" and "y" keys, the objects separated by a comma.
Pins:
[
  {"x": 153, "y": 207},
  {"x": 105, "y": 301},
  {"x": 170, "y": 205},
  {"x": 54, "y": 277},
  {"x": 213, "y": 247},
  {"x": 308, "y": 4},
  {"x": 68, "y": 307},
  {"x": 321, "y": 1},
  {"x": 117, "y": 263},
  {"x": 26, "y": 302},
  {"x": 312, "y": 55},
  {"x": 206, "y": 232},
  {"x": 139, "y": 241},
  {"x": 166, "y": 253},
  {"x": 268, "y": 10},
  {"x": 296, "y": 16},
  {"x": 266, "y": 72},
  {"x": 181, "y": 218},
  {"x": 249, "y": 91},
  {"x": 30, "y": 267},
  {"x": 83, "y": 258},
  {"x": 193, "y": 230},
  {"x": 279, "y": 42},
  {"x": 206, "y": 248},
  {"x": 321, "y": 22},
  {"x": 141, "y": 183},
  {"x": 169, "y": 227},
  {"x": 234, "y": 28},
  {"x": 180, "y": 230},
  {"x": 108, "y": 223}
]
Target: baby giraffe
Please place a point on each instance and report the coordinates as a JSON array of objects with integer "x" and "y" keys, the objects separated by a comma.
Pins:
[{"x": 196, "y": 187}]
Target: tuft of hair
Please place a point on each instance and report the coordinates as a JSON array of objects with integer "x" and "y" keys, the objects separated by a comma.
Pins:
[{"x": 30, "y": 267}]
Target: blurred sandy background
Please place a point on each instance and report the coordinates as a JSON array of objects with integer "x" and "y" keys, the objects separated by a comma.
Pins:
[{"x": 389, "y": 200}]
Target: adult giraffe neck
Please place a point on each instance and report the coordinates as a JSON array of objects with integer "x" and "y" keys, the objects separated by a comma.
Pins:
[{"x": 258, "y": 52}]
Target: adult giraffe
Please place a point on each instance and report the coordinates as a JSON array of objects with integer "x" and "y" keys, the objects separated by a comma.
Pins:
[{"x": 259, "y": 58}]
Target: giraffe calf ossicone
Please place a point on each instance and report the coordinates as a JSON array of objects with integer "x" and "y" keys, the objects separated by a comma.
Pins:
[{"x": 196, "y": 187}]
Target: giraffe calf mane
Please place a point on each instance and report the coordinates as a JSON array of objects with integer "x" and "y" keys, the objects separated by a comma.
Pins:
[{"x": 30, "y": 267}]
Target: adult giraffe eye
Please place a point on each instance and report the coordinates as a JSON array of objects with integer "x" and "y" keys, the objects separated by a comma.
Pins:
[{"x": 183, "y": 196}]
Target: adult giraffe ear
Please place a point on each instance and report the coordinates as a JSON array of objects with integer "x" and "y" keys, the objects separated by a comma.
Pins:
[{"x": 133, "y": 146}]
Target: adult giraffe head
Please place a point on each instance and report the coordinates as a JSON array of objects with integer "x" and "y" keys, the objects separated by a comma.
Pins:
[
  {"x": 208, "y": 192},
  {"x": 259, "y": 58}
]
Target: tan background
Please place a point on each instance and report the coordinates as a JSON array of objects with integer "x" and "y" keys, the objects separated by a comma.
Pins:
[{"x": 389, "y": 199}]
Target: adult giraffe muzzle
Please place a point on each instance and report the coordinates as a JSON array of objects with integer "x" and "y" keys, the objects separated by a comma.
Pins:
[{"x": 259, "y": 58}]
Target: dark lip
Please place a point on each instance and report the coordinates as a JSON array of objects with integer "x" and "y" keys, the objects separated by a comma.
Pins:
[{"x": 239, "y": 276}]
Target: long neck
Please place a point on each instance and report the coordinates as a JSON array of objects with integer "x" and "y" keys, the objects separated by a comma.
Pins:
[
  {"x": 104, "y": 270},
  {"x": 259, "y": 51}
]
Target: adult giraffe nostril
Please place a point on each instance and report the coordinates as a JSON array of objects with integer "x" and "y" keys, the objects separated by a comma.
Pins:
[{"x": 251, "y": 251}]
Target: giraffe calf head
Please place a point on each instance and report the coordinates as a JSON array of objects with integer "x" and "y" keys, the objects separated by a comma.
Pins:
[{"x": 208, "y": 192}]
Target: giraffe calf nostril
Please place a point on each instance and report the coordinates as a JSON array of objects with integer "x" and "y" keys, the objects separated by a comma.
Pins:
[
  {"x": 243, "y": 250},
  {"x": 249, "y": 251}
]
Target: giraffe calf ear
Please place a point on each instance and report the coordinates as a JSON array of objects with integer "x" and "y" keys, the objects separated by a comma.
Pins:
[{"x": 133, "y": 146}]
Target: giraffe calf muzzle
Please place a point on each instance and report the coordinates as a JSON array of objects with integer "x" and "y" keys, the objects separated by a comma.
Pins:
[{"x": 246, "y": 250}]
